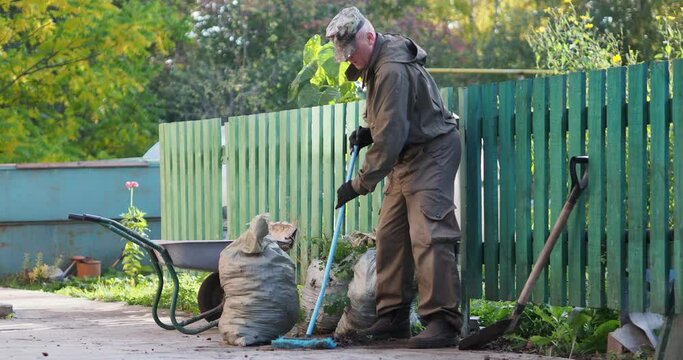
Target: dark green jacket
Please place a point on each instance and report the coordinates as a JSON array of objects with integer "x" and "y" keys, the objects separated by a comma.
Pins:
[{"x": 404, "y": 108}]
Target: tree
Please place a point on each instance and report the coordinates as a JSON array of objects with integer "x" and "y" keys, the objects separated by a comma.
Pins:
[
  {"x": 239, "y": 59},
  {"x": 72, "y": 74}
]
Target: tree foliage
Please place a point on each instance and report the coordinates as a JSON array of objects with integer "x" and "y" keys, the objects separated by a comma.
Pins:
[
  {"x": 73, "y": 77},
  {"x": 239, "y": 59},
  {"x": 90, "y": 79}
]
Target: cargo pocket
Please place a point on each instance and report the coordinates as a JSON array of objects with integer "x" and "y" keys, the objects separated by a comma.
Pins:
[{"x": 439, "y": 213}]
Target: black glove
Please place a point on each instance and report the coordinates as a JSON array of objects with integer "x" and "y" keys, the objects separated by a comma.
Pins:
[
  {"x": 345, "y": 193},
  {"x": 361, "y": 137}
]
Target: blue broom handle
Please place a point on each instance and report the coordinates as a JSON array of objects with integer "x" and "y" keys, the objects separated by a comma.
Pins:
[{"x": 333, "y": 247}]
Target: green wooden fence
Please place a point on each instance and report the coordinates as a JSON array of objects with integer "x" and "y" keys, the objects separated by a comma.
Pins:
[
  {"x": 517, "y": 139},
  {"x": 626, "y": 233},
  {"x": 190, "y": 167}
]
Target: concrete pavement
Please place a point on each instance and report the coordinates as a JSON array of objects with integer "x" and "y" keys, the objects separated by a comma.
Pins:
[{"x": 52, "y": 326}]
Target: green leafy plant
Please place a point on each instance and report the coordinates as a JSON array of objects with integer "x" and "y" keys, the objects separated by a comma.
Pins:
[
  {"x": 133, "y": 219},
  {"x": 335, "y": 304},
  {"x": 670, "y": 30},
  {"x": 40, "y": 271},
  {"x": 553, "y": 330},
  {"x": 574, "y": 330},
  {"x": 345, "y": 256},
  {"x": 322, "y": 80},
  {"x": 567, "y": 41}
]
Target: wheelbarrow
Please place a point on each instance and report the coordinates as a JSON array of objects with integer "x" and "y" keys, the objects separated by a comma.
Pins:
[{"x": 201, "y": 255}]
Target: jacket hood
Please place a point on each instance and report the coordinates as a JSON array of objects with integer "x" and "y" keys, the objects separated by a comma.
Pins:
[{"x": 390, "y": 48}]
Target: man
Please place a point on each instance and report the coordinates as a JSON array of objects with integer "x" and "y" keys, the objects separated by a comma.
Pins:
[{"x": 417, "y": 145}]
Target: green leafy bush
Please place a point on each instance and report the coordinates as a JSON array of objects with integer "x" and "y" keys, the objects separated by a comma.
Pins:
[
  {"x": 567, "y": 41},
  {"x": 552, "y": 330}
]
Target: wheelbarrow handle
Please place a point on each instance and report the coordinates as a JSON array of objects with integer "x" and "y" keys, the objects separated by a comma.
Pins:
[
  {"x": 86, "y": 217},
  {"x": 119, "y": 229}
]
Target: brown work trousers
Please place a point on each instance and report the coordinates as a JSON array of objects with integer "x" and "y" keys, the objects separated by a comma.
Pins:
[{"x": 418, "y": 233}]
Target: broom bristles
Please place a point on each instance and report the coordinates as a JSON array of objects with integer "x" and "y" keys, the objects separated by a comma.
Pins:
[{"x": 293, "y": 343}]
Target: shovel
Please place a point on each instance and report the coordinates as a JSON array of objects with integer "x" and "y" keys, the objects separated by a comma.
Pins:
[{"x": 498, "y": 329}]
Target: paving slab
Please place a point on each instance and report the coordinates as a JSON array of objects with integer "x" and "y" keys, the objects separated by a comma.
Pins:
[{"x": 47, "y": 325}]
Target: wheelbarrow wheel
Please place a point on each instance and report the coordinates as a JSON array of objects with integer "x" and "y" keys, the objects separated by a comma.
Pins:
[{"x": 210, "y": 295}]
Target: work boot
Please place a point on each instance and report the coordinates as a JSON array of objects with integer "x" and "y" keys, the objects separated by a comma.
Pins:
[
  {"x": 439, "y": 333},
  {"x": 394, "y": 325}
]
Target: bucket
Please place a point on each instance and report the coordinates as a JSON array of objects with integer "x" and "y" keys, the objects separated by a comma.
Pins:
[{"x": 88, "y": 268}]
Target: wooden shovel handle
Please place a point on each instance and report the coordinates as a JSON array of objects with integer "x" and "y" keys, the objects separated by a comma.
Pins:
[{"x": 542, "y": 260}]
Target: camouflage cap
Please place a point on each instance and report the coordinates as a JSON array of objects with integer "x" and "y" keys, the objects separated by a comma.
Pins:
[{"x": 342, "y": 32}]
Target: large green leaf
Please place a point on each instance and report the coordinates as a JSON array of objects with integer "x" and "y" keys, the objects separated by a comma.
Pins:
[
  {"x": 329, "y": 96},
  {"x": 309, "y": 95},
  {"x": 540, "y": 340},
  {"x": 302, "y": 78},
  {"x": 311, "y": 49},
  {"x": 331, "y": 66},
  {"x": 596, "y": 341}
]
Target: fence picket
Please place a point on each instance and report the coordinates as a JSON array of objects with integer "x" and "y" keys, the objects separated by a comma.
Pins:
[
  {"x": 295, "y": 173},
  {"x": 596, "y": 189},
  {"x": 557, "y": 150},
  {"x": 193, "y": 149},
  {"x": 576, "y": 145},
  {"x": 507, "y": 190},
  {"x": 659, "y": 188},
  {"x": 490, "y": 138},
  {"x": 677, "y": 121},
  {"x": 314, "y": 197},
  {"x": 365, "y": 202},
  {"x": 339, "y": 165},
  {"x": 234, "y": 189},
  {"x": 351, "y": 115},
  {"x": 636, "y": 172},
  {"x": 615, "y": 190},
  {"x": 523, "y": 181},
  {"x": 165, "y": 181},
  {"x": 540, "y": 180},
  {"x": 304, "y": 191},
  {"x": 274, "y": 167},
  {"x": 328, "y": 189},
  {"x": 262, "y": 169},
  {"x": 473, "y": 216},
  {"x": 252, "y": 133}
]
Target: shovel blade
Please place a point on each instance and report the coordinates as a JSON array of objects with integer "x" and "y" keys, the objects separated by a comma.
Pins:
[{"x": 485, "y": 335}]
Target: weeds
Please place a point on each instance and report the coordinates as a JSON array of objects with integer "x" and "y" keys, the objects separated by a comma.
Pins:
[{"x": 552, "y": 330}]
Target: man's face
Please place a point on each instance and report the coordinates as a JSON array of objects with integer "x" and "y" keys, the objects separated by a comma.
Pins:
[{"x": 360, "y": 57}]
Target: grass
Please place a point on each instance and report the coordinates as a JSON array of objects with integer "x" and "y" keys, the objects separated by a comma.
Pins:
[{"x": 116, "y": 286}]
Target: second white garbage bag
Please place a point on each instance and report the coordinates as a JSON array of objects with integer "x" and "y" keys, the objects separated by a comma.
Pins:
[
  {"x": 261, "y": 298},
  {"x": 361, "y": 312}
]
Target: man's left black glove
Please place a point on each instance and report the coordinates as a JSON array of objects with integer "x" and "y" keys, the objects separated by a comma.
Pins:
[{"x": 345, "y": 193}]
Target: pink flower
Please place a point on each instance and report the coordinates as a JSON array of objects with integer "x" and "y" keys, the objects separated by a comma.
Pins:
[{"x": 131, "y": 184}]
